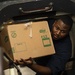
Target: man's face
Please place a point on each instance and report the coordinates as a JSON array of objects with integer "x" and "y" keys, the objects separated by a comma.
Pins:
[{"x": 59, "y": 30}]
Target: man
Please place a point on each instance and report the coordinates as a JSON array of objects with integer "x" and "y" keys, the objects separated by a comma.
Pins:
[{"x": 55, "y": 63}]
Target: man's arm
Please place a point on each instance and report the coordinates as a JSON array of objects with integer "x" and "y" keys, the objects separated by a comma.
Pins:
[
  {"x": 41, "y": 69},
  {"x": 34, "y": 66}
]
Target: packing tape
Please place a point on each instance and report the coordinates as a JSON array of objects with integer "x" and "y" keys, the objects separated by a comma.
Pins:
[{"x": 29, "y": 24}]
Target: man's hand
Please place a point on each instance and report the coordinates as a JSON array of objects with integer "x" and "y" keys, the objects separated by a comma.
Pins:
[{"x": 23, "y": 62}]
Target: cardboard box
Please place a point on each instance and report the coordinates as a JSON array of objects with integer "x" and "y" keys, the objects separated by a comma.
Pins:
[{"x": 26, "y": 40}]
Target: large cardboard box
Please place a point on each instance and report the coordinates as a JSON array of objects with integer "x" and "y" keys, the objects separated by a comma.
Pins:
[{"x": 24, "y": 40}]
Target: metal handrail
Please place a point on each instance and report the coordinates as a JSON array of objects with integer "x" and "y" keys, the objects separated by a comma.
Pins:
[{"x": 2, "y": 55}]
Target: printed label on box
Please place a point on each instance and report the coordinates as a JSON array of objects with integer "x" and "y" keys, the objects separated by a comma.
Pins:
[{"x": 19, "y": 47}]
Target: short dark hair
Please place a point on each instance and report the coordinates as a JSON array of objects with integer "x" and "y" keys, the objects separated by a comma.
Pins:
[{"x": 66, "y": 19}]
